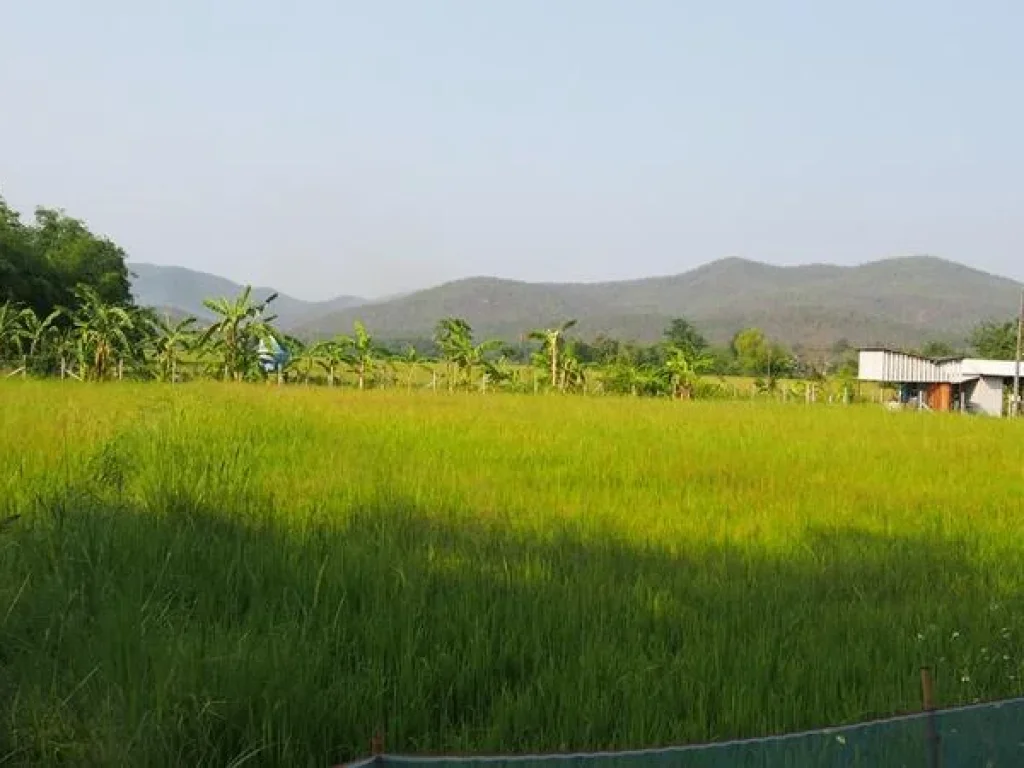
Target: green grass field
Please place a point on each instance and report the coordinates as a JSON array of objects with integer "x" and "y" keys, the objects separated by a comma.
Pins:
[{"x": 215, "y": 575}]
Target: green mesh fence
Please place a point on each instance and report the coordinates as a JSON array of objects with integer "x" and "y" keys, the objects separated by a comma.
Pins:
[{"x": 982, "y": 736}]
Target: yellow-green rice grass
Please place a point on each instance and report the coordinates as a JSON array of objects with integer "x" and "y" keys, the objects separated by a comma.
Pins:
[{"x": 210, "y": 574}]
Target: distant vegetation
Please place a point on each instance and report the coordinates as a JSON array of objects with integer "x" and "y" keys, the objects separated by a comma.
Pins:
[
  {"x": 67, "y": 309},
  {"x": 902, "y": 302}
]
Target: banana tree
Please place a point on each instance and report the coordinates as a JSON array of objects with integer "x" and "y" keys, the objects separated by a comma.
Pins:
[
  {"x": 572, "y": 372},
  {"x": 412, "y": 362},
  {"x": 360, "y": 352},
  {"x": 36, "y": 332},
  {"x": 552, "y": 340},
  {"x": 239, "y": 327},
  {"x": 67, "y": 348},
  {"x": 302, "y": 357},
  {"x": 500, "y": 371},
  {"x": 683, "y": 367},
  {"x": 13, "y": 330},
  {"x": 330, "y": 355},
  {"x": 102, "y": 330},
  {"x": 478, "y": 355},
  {"x": 170, "y": 341},
  {"x": 454, "y": 338}
]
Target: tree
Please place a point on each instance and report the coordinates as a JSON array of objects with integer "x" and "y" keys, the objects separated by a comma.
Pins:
[
  {"x": 995, "y": 341},
  {"x": 683, "y": 366},
  {"x": 751, "y": 348},
  {"x": 170, "y": 340},
  {"x": 37, "y": 331},
  {"x": 479, "y": 355},
  {"x": 937, "y": 349},
  {"x": 628, "y": 376},
  {"x": 758, "y": 355},
  {"x": 682, "y": 334},
  {"x": 361, "y": 353},
  {"x": 499, "y": 371},
  {"x": 454, "y": 338},
  {"x": 76, "y": 256},
  {"x": 330, "y": 355},
  {"x": 572, "y": 371},
  {"x": 42, "y": 263},
  {"x": 102, "y": 331},
  {"x": 239, "y": 329},
  {"x": 552, "y": 340},
  {"x": 25, "y": 278},
  {"x": 13, "y": 331}
]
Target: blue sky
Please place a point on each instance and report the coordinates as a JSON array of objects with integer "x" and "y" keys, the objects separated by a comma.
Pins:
[{"x": 329, "y": 146}]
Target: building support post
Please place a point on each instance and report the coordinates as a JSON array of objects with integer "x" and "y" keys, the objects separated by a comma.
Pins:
[{"x": 1015, "y": 409}]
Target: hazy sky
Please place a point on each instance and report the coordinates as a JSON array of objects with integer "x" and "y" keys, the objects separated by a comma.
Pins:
[{"x": 333, "y": 146}]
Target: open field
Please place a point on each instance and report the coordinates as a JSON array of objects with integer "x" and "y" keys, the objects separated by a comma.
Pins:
[{"x": 221, "y": 575}]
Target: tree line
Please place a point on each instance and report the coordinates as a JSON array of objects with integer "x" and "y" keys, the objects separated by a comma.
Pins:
[
  {"x": 66, "y": 309},
  {"x": 93, "y": 339}
]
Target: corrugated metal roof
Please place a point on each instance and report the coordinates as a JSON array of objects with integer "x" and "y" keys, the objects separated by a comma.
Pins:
[{"x": 901, "y": 368}]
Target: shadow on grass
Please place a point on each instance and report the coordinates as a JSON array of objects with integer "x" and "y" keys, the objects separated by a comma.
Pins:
[{"x": 222, "y": 631}]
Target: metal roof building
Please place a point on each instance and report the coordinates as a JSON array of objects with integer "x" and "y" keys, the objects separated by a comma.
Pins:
[{"x": 941, "y": 384}]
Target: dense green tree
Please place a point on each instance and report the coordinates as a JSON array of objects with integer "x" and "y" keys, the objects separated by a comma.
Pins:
[
  {"x": 682, "y": 334},
  {"x": 43, "y": 263},
  {"x": 760, "y": 356},
  {"x": 995, "y": 341},
  {"x": 629, "y": 377},
  {"x": 77, "y": 256},
  {"x": 25, "y": 278},
  {"x": 937, "y": 349},
  {"x": 753, "y": 350}
]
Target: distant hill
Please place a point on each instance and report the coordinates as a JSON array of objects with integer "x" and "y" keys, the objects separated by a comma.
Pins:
[
  {"x": 904, "y": 301},
  {"x": 178, "y": 292},
  {"x": 895, "y": 301}
]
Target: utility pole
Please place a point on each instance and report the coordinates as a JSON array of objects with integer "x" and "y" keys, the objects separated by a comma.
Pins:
[{"x": 1016, "y": 371}]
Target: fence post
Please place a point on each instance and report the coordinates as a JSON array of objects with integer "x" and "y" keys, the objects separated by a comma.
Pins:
[
  {"x": 377, "y": 743},
  {"x": 928, "y": 699}
]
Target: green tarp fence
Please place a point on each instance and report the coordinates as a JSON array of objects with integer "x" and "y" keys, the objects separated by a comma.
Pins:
[{"x": 983, "y": 735}]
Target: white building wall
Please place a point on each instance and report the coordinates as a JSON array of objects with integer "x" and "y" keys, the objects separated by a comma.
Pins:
[
  {"x": 871, "y": 365},
  {"x": 895, "y": 367},
  {"x": 986, "y": 396}
]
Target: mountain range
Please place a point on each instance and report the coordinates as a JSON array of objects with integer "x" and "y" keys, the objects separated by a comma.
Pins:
[
  {"x": 901, "y": 301},
  {"x": 179, "y": 291}
]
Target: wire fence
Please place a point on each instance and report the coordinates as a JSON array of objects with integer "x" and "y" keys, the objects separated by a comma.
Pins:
[{"x": 984, "y": 735}]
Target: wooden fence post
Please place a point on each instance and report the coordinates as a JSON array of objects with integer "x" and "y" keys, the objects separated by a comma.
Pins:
[{"x": 377, "y": 743}]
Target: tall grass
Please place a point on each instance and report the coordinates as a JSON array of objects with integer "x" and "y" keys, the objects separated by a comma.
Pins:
[{"x": 225, "y": 575}]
